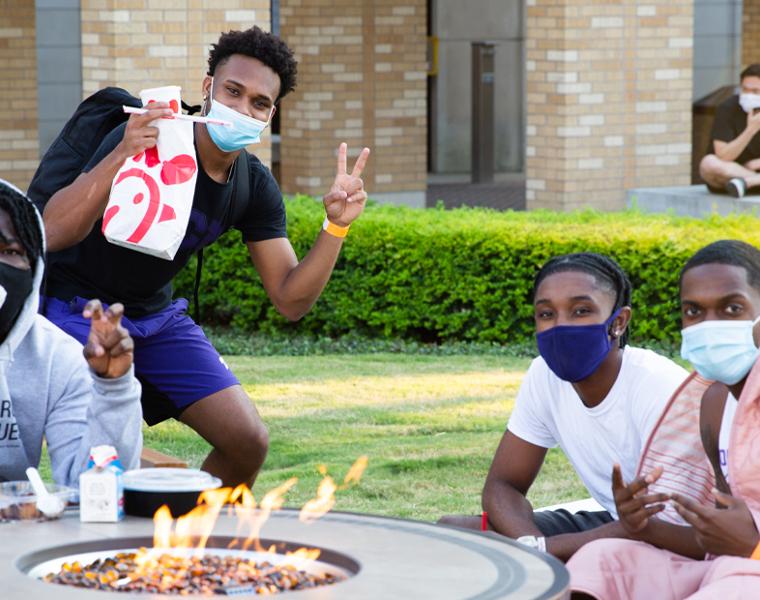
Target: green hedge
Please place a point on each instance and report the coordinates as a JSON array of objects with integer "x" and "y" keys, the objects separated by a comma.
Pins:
[{"x": 465, "y": 274}]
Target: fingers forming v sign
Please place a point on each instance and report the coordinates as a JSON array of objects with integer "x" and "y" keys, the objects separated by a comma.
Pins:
[
  {"x": 634, "y": 505},
  {"x": 109, "y": 348},
  {"x": 346, "y": 198}
]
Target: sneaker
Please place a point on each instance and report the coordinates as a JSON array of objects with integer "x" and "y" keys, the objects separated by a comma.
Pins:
[{"x": 736, "y": 187}]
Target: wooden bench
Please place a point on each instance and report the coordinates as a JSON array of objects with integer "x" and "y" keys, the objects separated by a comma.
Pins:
[{"x": 151, "y": 458}]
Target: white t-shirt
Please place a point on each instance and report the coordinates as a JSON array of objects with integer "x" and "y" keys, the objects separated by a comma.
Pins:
[
  {"x": 729, "y": 410},
  {"x": 548, "y": 412}
]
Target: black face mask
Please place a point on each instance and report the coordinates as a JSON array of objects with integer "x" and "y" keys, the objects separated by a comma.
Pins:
[{"x": 18, "y": 286}]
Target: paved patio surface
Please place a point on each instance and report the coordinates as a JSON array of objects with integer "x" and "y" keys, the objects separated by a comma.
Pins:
[{"x": 507, "y": 192}]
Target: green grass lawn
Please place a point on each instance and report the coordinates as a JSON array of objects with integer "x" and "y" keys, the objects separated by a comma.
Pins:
[{"x": 429, "y": 425}]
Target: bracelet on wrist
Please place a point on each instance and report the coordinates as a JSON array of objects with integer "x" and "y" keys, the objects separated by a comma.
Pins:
[
  {"x": 335, "y": 230},
  {"x": 531, "y": 541}
]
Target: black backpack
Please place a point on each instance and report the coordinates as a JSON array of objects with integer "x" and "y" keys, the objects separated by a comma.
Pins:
[{"x": 81, "y": 136}]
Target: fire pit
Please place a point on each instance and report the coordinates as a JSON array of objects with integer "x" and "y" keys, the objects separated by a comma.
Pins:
[
  {"x": 218, "y": 570},
  {"x": 373, "y": 557}
]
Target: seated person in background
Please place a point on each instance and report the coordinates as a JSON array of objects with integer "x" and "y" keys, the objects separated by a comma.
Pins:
[
  {"x": 733, "y": 158},
  {"x": 47, "y": 388},
  {"x": 665, "y": 557},
  {"x": 588, "y": 392}
]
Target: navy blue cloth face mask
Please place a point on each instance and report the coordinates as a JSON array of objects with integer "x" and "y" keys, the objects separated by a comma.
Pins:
[{"x": 573, "y": 352}]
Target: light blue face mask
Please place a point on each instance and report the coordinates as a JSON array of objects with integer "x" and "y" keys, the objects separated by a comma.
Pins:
[
  {"x": 243, "y": 132},
  {"x": 720, "y": 350}
]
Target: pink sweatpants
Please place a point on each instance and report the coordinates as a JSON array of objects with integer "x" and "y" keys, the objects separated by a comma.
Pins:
[{"x": 611, "y": 569}]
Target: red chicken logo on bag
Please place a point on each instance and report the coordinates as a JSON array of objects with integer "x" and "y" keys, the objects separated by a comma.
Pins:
[
  {"x": 152, "y": 194},
  {"x": 175, "y": 171}
]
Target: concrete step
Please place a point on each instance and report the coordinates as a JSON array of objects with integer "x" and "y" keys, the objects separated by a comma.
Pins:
[{"x": 689, "y": 201}]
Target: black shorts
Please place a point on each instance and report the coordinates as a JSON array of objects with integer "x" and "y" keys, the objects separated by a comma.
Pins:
[
  {"x": 753, "y": 191},
  {"x": 556, "y": 522}
]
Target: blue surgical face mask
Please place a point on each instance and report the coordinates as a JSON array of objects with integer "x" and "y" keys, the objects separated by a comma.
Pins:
[
  {"x": 720, "y": 350},
  {"x": 243, "y": 131},
  {"x": 573, "y": 352}
]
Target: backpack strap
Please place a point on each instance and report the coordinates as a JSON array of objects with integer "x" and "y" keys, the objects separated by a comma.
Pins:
[
  {"x": 196, "y": 289},
  {"x": 241, "y": 188},
  {"x": 239, "y": 204},
  {"x": 191, "y": 108}
]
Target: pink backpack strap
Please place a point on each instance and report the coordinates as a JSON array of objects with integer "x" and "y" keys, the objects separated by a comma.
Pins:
[
  {"x": 744, "y": 445},
  {"x": 676, "y": 445}
]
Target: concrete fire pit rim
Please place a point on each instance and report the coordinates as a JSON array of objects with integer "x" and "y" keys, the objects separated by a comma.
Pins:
[{"x": 561, "y": 574}]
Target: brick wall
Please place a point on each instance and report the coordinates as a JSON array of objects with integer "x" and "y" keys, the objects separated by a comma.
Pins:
[
  {"x": 608, "y": 99},
  {"x": 362, "y": 80},
  {"x": 137, "y": 44},
  {"x": 18, "y": 93},
  {"x": 750, "y": 32}
]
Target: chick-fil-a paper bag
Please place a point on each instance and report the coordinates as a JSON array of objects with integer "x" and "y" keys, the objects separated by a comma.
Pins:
[{"x": 152, "y": 194}]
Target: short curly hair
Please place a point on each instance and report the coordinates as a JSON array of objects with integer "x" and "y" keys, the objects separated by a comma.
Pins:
[{"x": 261, "y": 45}]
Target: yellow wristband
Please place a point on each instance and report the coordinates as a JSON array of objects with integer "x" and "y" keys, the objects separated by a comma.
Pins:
[
  {"x": 335, "y": 230},
  {"x": 756, "y": 553}
]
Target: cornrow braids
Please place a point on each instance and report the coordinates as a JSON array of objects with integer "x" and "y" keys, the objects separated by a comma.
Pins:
[
  {"x": 605, "y": 270},
  {"x": 25, "y": 220},
  {"x": 728, "y": 252}
]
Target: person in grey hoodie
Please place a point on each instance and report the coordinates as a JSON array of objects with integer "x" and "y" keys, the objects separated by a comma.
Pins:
[{"x": 48, "y": 389}]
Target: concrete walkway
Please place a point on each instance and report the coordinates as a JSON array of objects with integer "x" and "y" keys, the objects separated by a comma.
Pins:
[{"x": 507, "y": 192}]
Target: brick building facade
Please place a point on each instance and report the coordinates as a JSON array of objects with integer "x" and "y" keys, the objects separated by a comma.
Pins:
[
  {"x": 609, "y": 99},
  {"x": 139, "y": 44},
  {"x": 19, "y": 146},
  {"x": 362, "y": 79},
  {"x": 608, "y": 87}
]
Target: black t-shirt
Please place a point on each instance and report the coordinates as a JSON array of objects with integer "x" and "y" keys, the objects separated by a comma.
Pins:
[
  {"x": 95, "y": 268},
  {"x": 730, "y": 121}
]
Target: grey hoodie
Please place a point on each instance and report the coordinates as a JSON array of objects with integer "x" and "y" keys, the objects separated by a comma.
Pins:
[{"x": 48, "y": 390}]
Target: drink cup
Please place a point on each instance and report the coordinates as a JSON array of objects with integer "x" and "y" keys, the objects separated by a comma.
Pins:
[{"x": 167, "y": 93}]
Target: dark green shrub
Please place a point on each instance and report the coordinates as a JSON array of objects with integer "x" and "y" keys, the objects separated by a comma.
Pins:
[{"x": 465, "y": 274}]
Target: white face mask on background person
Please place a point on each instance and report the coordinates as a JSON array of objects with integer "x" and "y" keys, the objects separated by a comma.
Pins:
[
  {"x": 749, "y": 102},
  {"x": 244, "y": 130},
  {"x": 722, "y": 351}
]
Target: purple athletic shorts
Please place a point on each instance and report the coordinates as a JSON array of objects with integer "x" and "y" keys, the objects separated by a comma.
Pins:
[{"x": 174, "y": 361}]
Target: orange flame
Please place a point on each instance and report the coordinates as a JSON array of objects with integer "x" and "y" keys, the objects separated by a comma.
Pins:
[
  {"x": 355, "y": 472},
  {"x": 192, "y": 531},
  {"x": 242, "y": 495},
  {"x": 304, "y": 554},
  {"x": 325, "y": 500},
  {"x": 162, "y": 528},
  {"x": 253, "y": 520}
]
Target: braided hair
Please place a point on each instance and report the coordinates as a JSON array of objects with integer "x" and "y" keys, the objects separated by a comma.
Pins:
[
  {"x": 605, "y": 270},
  {"x": 728, "y": 252},
  {"x": 25, "y": 221}
]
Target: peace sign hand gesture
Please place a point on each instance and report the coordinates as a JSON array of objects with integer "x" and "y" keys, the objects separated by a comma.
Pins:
[
  {"x": 635, "y": 505},
  {"x": 109, "y": 349},
  {"x": 346, "y": 198}
]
